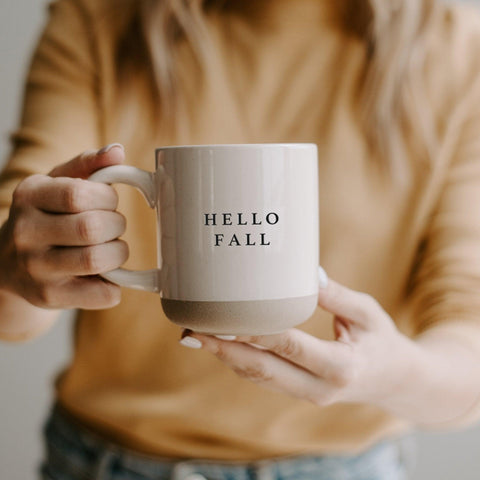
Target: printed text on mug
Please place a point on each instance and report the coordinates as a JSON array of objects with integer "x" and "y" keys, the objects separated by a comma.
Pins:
[{"x": 235, "y": 219}]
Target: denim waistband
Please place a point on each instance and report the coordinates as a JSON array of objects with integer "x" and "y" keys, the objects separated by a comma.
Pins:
[{"x": 74, "y": 453}]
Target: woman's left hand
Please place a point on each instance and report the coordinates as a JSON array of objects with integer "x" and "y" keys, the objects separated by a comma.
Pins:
[{"x": 369, "y": 360}]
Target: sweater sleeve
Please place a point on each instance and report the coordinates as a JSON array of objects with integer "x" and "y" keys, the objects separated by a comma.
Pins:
[
  {"x": 446, "y": 287},
  {"x": 60, "y": 117}
]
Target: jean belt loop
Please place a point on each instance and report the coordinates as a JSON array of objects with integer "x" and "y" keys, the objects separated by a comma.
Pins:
[
  {"x": 185, "y": 471},
  {"x": 103, "y": 468},
  {"x": 265, "y": 471},
  {"x": 407, "y": 448}
]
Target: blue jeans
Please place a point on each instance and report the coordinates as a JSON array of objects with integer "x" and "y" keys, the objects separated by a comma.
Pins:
[{"x": 72, "y": 453}]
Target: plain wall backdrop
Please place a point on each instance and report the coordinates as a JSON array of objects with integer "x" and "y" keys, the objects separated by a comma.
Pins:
[{"x": 28, "y": 370}]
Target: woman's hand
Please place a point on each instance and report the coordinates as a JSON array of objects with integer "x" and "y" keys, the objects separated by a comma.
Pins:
[
  {"x": 430, "y": 380},
  {"x": 368, "y": 361},
  {"x": 61, "y": 232}
]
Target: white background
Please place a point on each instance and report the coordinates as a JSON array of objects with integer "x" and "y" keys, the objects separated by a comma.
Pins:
[{"x": 27, "y": 370}]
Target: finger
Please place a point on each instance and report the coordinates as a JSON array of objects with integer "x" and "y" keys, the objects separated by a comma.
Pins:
[
  {"x": 65, "y": 195},
  {"x": 97, "y": 293},
  {"x": 88, "y": 293},
  {"x": 341, "y": 330},
  {"x": 269, "y": 370},
  {"x": 358, "y": 308},
  {"x": 74, "y": 261},
  {"x": 88, "y": 162},
  {"x": 330, "y": 360},
  {"x": 78, "y": 229}
]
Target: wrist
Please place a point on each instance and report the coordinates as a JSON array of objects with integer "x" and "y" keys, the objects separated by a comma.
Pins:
[
  {"x": 404, "y": 378},
  {"x": 433, "y": 381}
]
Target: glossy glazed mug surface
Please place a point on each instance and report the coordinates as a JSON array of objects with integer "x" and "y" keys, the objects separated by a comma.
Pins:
[{"x": 238, "y": 235}]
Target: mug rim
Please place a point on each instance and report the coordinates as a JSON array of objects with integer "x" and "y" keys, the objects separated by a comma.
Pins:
[{"x": 236, "y": 145}]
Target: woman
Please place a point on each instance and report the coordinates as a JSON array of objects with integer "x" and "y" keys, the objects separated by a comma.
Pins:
[{"x": 390, "y": 93}]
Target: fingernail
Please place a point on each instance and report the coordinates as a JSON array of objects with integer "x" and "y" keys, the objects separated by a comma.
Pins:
[
  {"x": 226, "y": 337},
  {"x": 322, "y": 278},
  {"x": 191, "y": 342},
  {"x": 107, "y": 148}
]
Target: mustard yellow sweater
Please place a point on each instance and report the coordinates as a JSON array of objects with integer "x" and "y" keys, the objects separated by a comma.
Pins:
[{"x": 291, "y": 77}]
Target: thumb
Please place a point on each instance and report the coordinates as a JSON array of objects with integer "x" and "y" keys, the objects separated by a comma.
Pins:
[
  {"x": 352, "y": 307},
  {"x": 90, "y": 161}
]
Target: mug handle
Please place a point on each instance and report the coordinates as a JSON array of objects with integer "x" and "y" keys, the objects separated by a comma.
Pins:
[{"x": 146, "y": 280}]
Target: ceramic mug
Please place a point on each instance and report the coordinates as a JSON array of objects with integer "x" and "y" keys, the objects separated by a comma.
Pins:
[{"x": 238, "y": 235}]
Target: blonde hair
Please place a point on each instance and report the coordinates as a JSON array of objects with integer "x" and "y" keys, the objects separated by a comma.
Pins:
[{"x": 391, "y": 100}]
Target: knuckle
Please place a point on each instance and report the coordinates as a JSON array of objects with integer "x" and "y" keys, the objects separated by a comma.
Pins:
[
  {"x": 74, "y": 196},
  {"x": 110, "y": 295},
  {"x": 288, "y": 348},
  {"x": 21, "y": 194},
  {"x": 221, "y": 352},
  {"x": 91, "y": 260},
  {"x": 46, "y": 296},
  {"x": 255, "y": 373},
  {"x": 89, "y": 227},
  {"x": 254, "y": 340},
  {"x": 31, "y": 264},
  {"x": 21, "y": 233}
]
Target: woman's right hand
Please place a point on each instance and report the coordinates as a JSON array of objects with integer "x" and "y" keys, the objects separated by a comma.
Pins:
[{"x": 61, "y": 233}]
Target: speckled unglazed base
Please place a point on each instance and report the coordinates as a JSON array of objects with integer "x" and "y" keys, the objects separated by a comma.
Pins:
[{"x": 256, "y": 317}]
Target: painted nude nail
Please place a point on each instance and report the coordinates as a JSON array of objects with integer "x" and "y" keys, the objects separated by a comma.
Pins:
[
  {"x": 322, "y": 278},
  {"x": 226, "y": 337},
  {"x": 191, "y": 342}
]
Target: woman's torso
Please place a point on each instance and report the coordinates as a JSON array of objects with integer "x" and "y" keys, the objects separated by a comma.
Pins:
[{"x": 292, "y": 79}]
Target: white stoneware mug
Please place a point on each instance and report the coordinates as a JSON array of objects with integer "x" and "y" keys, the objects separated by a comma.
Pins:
[{"x": 238, "y": 235}]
